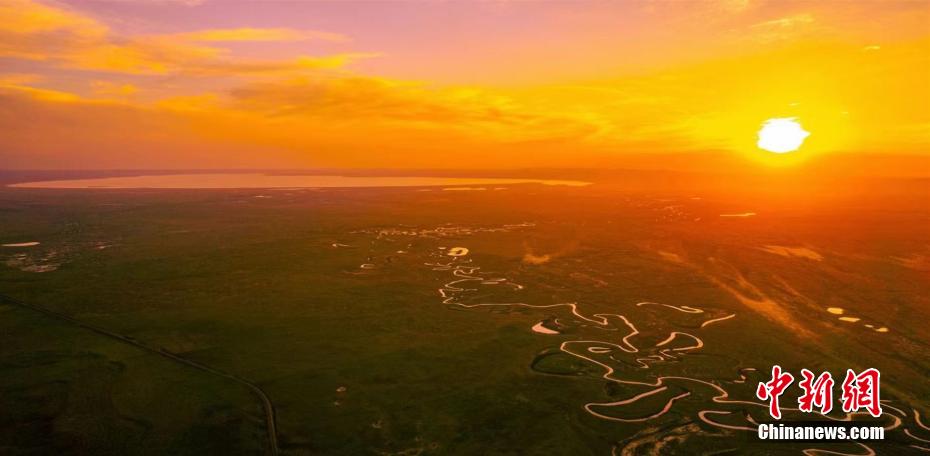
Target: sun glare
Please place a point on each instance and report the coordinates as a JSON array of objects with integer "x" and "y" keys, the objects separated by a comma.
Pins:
[{"x": 781, "y": 135}]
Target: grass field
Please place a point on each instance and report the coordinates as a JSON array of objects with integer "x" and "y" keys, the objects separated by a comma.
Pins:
[{"x": 345, "y": 307}]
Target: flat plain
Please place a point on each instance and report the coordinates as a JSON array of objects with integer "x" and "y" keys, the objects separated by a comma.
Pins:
[{"x": 512, "y": 319}]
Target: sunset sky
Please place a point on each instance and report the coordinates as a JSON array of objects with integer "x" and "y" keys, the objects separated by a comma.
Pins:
[{"x": 447, "y": 84}]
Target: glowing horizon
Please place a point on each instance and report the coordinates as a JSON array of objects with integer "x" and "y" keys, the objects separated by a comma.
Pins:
[{"x": 419, "y": 85}]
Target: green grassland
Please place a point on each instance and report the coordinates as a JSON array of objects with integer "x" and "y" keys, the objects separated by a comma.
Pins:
[{"x": 372, "y": 361}]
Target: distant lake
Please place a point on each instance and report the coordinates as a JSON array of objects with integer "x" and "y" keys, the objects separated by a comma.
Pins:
[{"x": 259, "y": 180}]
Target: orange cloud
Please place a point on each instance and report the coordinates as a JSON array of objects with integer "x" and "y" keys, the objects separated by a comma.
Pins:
[
  {"x": 31, "y": 30},
  {"x": 298, "y": 110},
  {"x": 270, "y": 68},
  {"x": 45, "y": 95},
  {"x": 107, "y": 89},
  {"x": 140, "y": 56},
  {"x": 25, "y": 17},
  {"x": 260, "y": 34},
  {"x": 850, "y": 101},
  {"x": 357, "y": 100},
  {"x": 28, "y": 30}
]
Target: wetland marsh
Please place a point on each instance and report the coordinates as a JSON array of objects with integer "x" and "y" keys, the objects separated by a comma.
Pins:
[{"x": 536, "y": 320}]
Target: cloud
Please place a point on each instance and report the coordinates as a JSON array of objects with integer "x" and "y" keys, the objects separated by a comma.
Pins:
[
  {"x": 315, "y": 110},
  {"x": 334, "y": 120},
  {"x": 734, "y": 6},
  {"x": 30, "y": 30},
  {"x": 783, "y": 29},
  {"x": 160, "y": 55},
  {"x": 280, "y": 68},
  {"x": 351, "y": 96},
  {"x": 20, "y": 78},
  {"x": 44, "y": 95},
  {"x": 786, "y": 22},
  {"x": 191, "y": 103},
  {"x": 260, "y": 34},
  {"x": 26, "y": 17},
  {"x": 107, "y": 89},
  {"x": 146, "y": 55},
  {"x": 67, "y": 39},
  {"x": 352, "y": 99},
  {"x": 57, "y": 130}
]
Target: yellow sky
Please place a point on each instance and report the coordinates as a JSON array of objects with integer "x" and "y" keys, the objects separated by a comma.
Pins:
[{"x": 453, "y": 85}]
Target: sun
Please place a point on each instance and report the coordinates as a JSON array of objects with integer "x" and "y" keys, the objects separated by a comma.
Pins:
[{"x": 781, "y": 135}]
